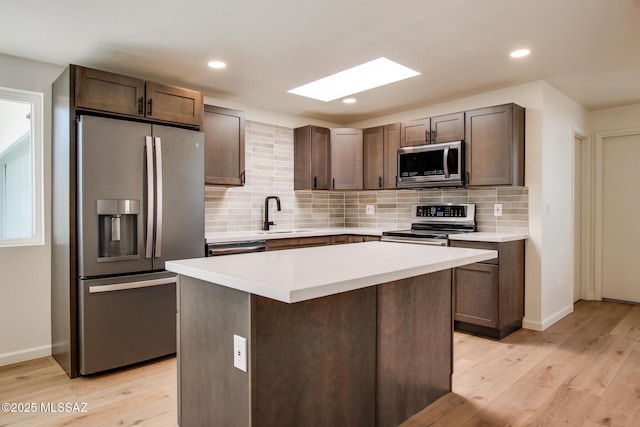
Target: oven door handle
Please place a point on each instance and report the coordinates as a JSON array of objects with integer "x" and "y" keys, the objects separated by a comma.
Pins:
[{"x": 440, "y": 242}]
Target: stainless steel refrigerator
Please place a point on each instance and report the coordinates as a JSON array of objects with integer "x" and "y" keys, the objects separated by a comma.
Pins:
[{"x": 140, "y": 202}]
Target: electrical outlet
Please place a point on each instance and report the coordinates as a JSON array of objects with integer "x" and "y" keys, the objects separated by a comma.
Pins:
[
  {"x": 497, "y": 209},
  {"x": 370, "y": 210},
  {"x": 240, "y": 353}
]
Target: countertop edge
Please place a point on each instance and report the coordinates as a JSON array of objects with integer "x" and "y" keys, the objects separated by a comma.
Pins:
[
  {"x": 325, "y": 289},
  {"x": 493, "y": 237}
]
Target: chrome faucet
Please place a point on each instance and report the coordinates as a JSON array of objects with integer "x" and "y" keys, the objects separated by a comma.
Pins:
[{"x": 268, "y": 223}]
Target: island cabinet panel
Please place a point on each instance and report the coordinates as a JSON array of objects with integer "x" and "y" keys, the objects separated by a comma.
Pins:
[
  {"x": 210, "y": 390},
  {"x": 415, "y": 345},
  {"x": 373, "y": 356},
  {"x": 313, "y": 362}
]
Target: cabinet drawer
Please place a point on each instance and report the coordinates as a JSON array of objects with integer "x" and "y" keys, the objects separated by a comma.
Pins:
[
  {"x": 490, "y": 246},
  {"x": 298, "y": 242}
]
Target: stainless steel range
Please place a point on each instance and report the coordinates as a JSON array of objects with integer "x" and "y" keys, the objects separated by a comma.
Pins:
[{"x": 432, "y": 223}]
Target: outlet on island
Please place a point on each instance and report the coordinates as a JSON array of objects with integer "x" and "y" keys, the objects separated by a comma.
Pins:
[
  {"x": 240, "y": 353},
  {"x": 370, "y": 210}
]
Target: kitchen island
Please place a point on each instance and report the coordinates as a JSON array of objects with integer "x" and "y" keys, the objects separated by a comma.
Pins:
[{"x": 349, "y": 335}]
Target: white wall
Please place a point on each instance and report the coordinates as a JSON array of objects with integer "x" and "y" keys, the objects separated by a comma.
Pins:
[
  {"x": 25, "y": 272},
  {"x": 561, "y": 116},
  {"x": 614, "y": 118}
]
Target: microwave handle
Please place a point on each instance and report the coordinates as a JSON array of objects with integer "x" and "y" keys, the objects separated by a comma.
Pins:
[{"x": 446, "y": 162}]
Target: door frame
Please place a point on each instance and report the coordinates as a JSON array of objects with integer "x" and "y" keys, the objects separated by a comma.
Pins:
[
  {"x": 581, "y": 205},
  {"x": 599, "y": 197}
]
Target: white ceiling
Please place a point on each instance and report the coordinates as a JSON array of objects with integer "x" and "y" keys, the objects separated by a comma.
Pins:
[{"x": 588, "y": 49}]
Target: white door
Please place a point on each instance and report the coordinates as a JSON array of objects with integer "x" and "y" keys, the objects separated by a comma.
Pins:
[{"x": 620, "y": 213}]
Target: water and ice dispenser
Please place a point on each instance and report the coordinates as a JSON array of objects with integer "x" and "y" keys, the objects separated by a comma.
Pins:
[{"x": 118, "y": 229}]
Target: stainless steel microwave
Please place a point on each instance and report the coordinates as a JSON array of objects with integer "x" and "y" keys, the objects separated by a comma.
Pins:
[{"x": 431, "y": 165}]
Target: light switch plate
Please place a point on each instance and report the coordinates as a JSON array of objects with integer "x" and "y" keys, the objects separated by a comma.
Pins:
[
  {"x": 497, "y": 209},
  {"x": 370, "y": 209},
  {"x": 240, "y": 353}
]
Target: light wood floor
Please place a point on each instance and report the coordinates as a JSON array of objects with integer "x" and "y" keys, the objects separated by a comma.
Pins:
[{"x": 583, "y": 371}]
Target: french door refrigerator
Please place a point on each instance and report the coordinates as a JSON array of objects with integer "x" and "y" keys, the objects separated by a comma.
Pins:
[{"x": 140, "y": 202}]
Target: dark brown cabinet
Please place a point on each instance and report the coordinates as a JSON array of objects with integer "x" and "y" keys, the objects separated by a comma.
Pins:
[
  {"x": 495, "y": 145},
  {"x": 488, "y": 297},
  {"x": 448, "y": 127},
  {"x": 312, "y": 158},
  {"x": 120, "y": 95},
  {"x": 346, "y": 159},
  {"x": 224, "y": 151},
  {"x": 380, "y": 158}
]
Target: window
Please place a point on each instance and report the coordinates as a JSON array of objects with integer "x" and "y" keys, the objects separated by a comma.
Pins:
[{"x": 21, "y": 217}]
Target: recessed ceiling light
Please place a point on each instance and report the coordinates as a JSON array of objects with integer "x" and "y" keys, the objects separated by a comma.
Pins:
[
  {"x": 349, "y": 100},
  {"x": 217, "y": 64},
  {"x": 372, "y": 74},
  {"x": 520, "y": 53}
]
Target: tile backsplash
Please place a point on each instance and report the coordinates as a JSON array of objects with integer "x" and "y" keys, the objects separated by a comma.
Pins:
[{"x": 269, "y": 165}]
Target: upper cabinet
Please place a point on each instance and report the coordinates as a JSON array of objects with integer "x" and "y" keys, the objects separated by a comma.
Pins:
[
  {"x": 346, "y": 159},
  {"x": 380, "y": 158},
  {"x": 224, "y": 146},
  {"x": 312, "y": 158},
  {"x": 127, "y": 96},
  {"x": 495, "y": 145},
  {"x": 445, "y": 128}
]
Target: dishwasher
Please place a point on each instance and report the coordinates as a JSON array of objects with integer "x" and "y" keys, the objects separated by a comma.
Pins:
[{"x": 231, "y": 248}]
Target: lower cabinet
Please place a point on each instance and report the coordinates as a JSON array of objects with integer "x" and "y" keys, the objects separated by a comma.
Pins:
[
  {"x": 297, "y": 242},
  {"x": 488, "y": 297}
]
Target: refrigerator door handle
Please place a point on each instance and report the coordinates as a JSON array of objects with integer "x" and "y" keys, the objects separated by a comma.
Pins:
[
  {"x": 150, "y": 197},
  {"x": 131, "y": 285},
  {"x": 158, "y": 248}
]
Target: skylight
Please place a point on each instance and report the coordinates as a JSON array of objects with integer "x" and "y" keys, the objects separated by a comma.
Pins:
[{"x": 376, "y": 73}]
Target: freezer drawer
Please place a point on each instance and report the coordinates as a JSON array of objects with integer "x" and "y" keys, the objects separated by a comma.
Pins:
[{"x": 126, "y": 320}]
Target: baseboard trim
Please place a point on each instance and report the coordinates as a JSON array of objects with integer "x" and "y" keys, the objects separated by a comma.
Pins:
[
  {"x": 24, "y": 355},
  {"x": 550, "y": 320}
]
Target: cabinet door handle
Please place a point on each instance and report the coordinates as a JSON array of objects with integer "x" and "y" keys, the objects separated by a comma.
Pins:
[
  {"x": 427, "y": 136},
  {"x": 149, "y": 109},
  {"x": 243, "y": 177},
  {"x": 333, "y": 183},
  {"x": 315, "y": 182},
  {"x": 140, "y": 105},
  {"x": 433, "y": 136},
  {"x": 380, "y": 181}
]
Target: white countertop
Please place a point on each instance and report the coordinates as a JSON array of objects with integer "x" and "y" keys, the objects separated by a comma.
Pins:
[
  {"x": 296, "y": 275},
  {"x": 485, "y": 236},
  {"x": 242, "y": 236}
]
